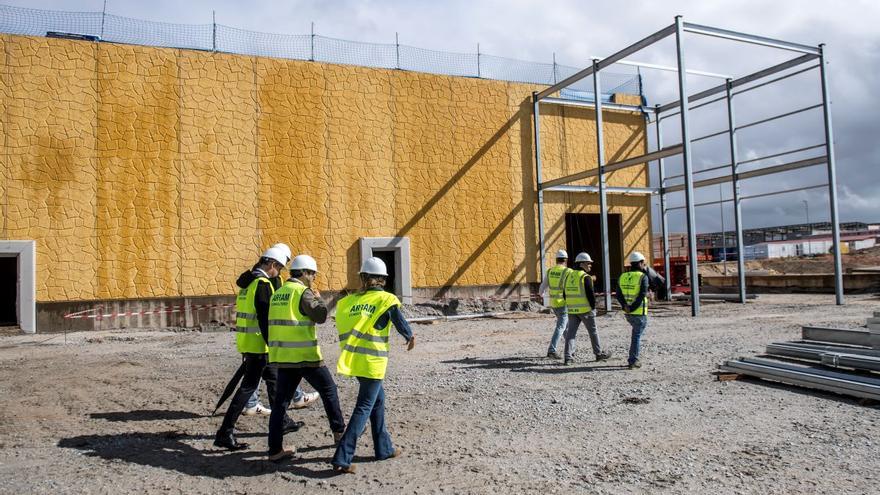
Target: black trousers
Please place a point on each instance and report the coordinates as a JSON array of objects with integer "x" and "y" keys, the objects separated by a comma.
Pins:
[
  {"x": 255, "y": 367},
  {"x": 288, "y": 380}
]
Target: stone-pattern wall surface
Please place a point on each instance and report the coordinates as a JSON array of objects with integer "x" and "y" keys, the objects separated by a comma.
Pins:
[{"x": 147, "y": 172}]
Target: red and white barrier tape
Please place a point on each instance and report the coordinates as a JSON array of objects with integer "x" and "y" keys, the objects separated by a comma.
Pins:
[{"x": 89, "y": 313}]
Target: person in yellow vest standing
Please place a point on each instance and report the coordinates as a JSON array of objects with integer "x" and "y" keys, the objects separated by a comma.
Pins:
[
  {"x": 252, "y": 333},
  {"x": 632, "y": 294},
  {"x": 364, "y": 319},
  {"x": 554, "y": 283},
  {"x": 294, "y": 312},
  {"x": 580, "y": 302}
]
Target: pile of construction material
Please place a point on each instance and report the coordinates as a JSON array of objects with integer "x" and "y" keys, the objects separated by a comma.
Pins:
[{"x": 843, "y": 361}]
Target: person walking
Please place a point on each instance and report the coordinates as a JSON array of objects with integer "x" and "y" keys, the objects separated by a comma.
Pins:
[
  {"x": 632, "y": 294},
  {"x": 294, "y": 311},
  {"x": 580, "y": 303},
  {"x": 252, "y": 334},
  {"x": 364, "y": 319},
  {"x": 554, "y": 283}
]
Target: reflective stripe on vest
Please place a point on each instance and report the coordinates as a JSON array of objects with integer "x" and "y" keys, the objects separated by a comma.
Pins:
[
  {"x": 576, "y": 301},
  {"x": 248, "y": 338},
  {"x": 292, "y": 335},
  {"x": 630, "y": 286},
  {"x": 556, "y": 283},
  {"x": 364, "y": 348}
]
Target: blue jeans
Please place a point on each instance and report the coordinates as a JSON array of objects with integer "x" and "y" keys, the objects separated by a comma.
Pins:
[
  {"x": 561, "y": 323},
  {"x": 370, "y": 405},
  {"x": 255, "y": 397},
  {"x": 638, "y": 323}
]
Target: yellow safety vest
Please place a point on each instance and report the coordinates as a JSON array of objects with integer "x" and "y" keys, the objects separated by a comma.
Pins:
[
  {"x": 576, "y": 300},
  {"x": 248, "y": 338},
  {"x": 364, "y": 348},
  {"x": 630, "y": 285},
  {"x": 292, "y": 337},
  {"x": 556, "y": 283}
]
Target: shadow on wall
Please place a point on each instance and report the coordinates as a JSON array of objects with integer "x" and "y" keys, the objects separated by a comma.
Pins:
[{"x": 524, "y": 117}]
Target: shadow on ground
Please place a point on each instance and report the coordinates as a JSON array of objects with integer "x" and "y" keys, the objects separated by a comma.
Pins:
[
  {"x": 173, "y": 450},
  {"x": 146, "y": 415},
  {"x": 519, "y": 364}
]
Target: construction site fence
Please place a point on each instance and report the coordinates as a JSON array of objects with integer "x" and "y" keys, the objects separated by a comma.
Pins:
[{"x": 101, "y": 26}]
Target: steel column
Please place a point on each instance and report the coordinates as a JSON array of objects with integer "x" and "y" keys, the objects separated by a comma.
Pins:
[
  {"x": 603, "y": 205},
  {"x": 664, "y": 228},
  {"x": 536, "y": 116},
  {"x": 737, "y": 205},
  {"x": 832, "y": 178},
  {"x": 688, "y": 178}
]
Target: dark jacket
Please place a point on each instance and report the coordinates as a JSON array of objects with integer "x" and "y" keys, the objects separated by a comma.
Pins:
[{"x": 643, "y": 293}]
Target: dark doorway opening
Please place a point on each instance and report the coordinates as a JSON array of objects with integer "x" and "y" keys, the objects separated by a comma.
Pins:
[
  {"x": 390, "y": 259},
  {"x": 8, "y": 290},
  {"x": 583, "y": 233}
]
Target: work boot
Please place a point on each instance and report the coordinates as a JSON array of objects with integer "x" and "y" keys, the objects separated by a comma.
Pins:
[
  {"x": 397, "y": 453},
  {"x": 602, "y": 356},
  {"x": 567, "y": 362},
  {"x": 337, "y": 436},
  {"x": 635, "y": 365},
  {"x": 553, "y": 354},
  {"x": 281, "y": 455},
  {"x": 344, "y": 469},
  {"x": 292, "y": 426},
  {"x": 228, "y": 441}
]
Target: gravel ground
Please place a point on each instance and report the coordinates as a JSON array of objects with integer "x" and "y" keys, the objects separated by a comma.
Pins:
[{"x": 475, "y": 406}]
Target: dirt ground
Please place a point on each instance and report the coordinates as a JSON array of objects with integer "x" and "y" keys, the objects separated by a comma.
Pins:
[
  {"x": 862, "y": 258},
  {"x": 475, "y": 406}
]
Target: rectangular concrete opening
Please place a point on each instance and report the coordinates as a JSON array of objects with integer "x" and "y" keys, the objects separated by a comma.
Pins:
[
  {"x": 583, "y": 233},
  {"x": 393, "y": 263},
  {"x": 8, "y": 290}
]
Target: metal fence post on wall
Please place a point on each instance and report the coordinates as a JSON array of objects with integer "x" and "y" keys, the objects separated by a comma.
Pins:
[
  {"x": 832, "y": 178},
  {"x": 397, "y": 48},
  {"x": 554, "y": 67},
  {"x": 737, "y": 205},
  {"x": 312, "y": 38},
  {"x": 688, "y": 175},
  {"x": 103, "y": 15},
  {"x": 214, "y": 30},
  {"x": 603, "y": 203},
  {"x": 478, "y": 60}
]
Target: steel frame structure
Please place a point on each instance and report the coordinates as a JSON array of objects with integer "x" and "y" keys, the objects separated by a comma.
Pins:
[{"x": 681, "y": 108}]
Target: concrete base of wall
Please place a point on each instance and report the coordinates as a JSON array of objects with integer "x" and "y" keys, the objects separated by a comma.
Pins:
[
  {"x": 812, "y": 283},
  {"x": 189, "y": 312}
]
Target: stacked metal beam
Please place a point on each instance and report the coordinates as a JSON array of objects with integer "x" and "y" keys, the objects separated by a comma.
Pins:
[{"x": 854, "y": 356}]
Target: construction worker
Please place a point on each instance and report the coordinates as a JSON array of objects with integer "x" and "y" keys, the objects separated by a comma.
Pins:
[
  {"x": 252, "y": 334},
  {"x": 300, "y": 399},
  {"x": 580, "y": 302},
  {"x": 554, "y": 283},
  {"x": 294, "y": 311},
  {"x": 364, "y": 319},
  {"x": 632, "y": 294}
]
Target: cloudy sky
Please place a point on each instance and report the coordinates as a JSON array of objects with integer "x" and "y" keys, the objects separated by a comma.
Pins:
[{"x": 577, "y": 30}]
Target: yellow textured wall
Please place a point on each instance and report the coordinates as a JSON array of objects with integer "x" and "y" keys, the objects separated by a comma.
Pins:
[{"x": 148, "y": 172}]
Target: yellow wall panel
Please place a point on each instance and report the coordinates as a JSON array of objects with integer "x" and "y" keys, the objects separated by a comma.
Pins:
[
  {"x": 138, "y": 217},
  {"x": 220, "y": 174},
  {"x": 50, "y": 144}
]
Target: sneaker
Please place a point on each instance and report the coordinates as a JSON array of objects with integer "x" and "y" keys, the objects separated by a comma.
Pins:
[
  {"x": 602, "y": 356},
  {"x": 281, "y": 455},
  {"x": 554, "y": 355},
  {"x": 344, "y": 469},
  {"x": 259, "y": 409},
  {"x": 292, "y": 426},
  {"x": 307, "y": 400},
  {"x": 637, "y": 364}
]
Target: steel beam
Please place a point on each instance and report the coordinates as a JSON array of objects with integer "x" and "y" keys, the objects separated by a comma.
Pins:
[
  {"x": 837, "y": 335},
  {"x": 664, "y": 225},
  {"x": 587, "y": 104},
  {"x": 737, "y": 204},
  {"x": 832, "y": 178},
  {"x": 741, "y": 81},
  {"x": 780, "y": 116},
  {"x": 667, "y": 68},
  {"x": 753, "y": 196},
  {"x": 840, "y": 383},
  {"x": 861, "y": 351},
  {"x": 777, "y": 79},
  {"x": 610, "y": 60},
  {"x": 536, "y": 116},
  {"x": 749, "y": 38},
  {"x": 809, "y": 162},
  {"x": 829, "y": 358},
  {"x": 776, "y": 155},
  {"x": 674, "y": 150},
  {"x": 688, "y": 178},
  {"x": 648, "y": 191},
  {"x": 603, "y": 202}
]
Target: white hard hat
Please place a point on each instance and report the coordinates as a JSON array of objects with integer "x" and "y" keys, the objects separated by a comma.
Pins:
[
  {"x": 636, "y": 256},
  {"x": 374, "y": 266},
  {"x": 284, "y": 248},
  {"x": 581, "y": 257},
  {"x": 277, "y": 254},
  {"x": 561, "y": 254},
  {"x": 304, "y": 262}
]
